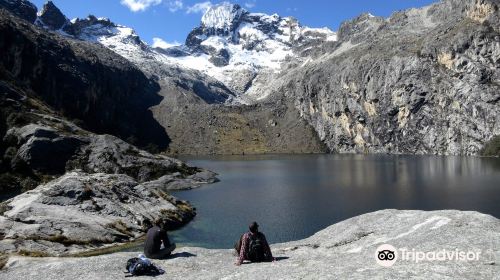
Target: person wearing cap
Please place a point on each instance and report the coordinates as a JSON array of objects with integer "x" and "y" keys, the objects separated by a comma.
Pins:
[{"x": 242, "y": 247}]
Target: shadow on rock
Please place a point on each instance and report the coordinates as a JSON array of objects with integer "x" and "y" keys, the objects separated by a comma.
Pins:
[{"x": 181, "y": 255}]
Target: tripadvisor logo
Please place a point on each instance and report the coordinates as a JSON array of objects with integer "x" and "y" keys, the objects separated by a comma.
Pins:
[{"x": 386, "y": 255}]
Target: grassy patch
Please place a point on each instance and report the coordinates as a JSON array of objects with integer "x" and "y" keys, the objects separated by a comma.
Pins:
[
  {"x": 176, "y": 218},
  {"x": 121, "y": 227},
  {"x": 87, "y": 193},
  {"x": 492, "y": 147},
  {"x": 163, "y": 195},
  {"x": 68, "y": 242},
  {"x": 4, "y": 208},
  {"x": 186, "y": 170},
  {"x": 34, "y": 254},
  {"x": 59, "y": 239},
  {"x": 109, "y": 250},
  {"x": 3, "y": 261}
]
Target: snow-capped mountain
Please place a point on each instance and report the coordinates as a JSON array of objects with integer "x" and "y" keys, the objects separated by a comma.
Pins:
[
  {"x": 51, "y": 17},
  {"x": 231, "y": 45},
  {"x": 118, "y": 38},
  {"x": 234, "y": 45}
]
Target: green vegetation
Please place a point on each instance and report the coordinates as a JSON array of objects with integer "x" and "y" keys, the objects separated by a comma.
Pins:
[
  {"x": 186, "y": 170},
  {"x": 3, "y": 261},
  {"x": 34, "y": 254},
  {"x": 492, "y": 147},
  {"x": 163, "y": 195},
  {"x": 87, "y": 193},
  {"x": 4, "y": 208},
  {"x": 59, "y": 238},
  {"x": 109, "y": 250},
  {"x": 121, "y": 227}
]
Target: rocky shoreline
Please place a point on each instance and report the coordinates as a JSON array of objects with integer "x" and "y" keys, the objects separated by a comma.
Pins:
[
  {"x": 345, "y": 250},
  {"x": 93, "y": 191},
  {"x": 79, "y": 212}
]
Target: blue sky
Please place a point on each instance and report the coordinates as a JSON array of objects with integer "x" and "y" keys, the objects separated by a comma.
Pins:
[{"x": 172, "y": 20}]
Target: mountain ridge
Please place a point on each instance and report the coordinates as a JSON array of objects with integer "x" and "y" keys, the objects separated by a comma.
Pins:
[
  {"x": 230, "y": 42},
  {"x": 364, "y": 89}
]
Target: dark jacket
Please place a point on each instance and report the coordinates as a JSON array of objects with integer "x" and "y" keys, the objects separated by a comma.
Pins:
[
  {"x": 154, "y": 238},
  {"x": 242, "y": 246}
]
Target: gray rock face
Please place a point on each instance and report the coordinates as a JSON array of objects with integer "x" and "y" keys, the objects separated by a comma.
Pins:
[
  {"x": 220, "y": 58},
  {"x": 80, "y": 211},
  {"x": 39, "y": 144},
  {"x": 360, "y": 28},
  {"x": 343, "y": 251},
  {"x": 108, "y": 154},
  {"x": 79, "y": 25},
  {"x": 222, "y": 20},
  {"x": 177, "y": 181},
  {"x": 21, "y": 8},
  {"x": 39, "y": 153},
  {"x": 95, "y": 154},
  {"x": 424, "y": 81},
  {"x": 52, "y": 17}
]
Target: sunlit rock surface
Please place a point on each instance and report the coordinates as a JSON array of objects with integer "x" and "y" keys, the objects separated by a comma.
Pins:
[{"x": 343, "y": 251}]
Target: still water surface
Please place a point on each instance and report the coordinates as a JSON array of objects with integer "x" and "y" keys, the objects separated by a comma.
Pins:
[{"x": 292, "y": 197}]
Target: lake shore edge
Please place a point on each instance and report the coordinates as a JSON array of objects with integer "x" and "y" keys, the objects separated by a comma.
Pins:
[{"x": 345, "y": 249}]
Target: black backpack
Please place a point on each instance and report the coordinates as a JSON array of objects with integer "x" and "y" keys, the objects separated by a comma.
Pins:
[
  {"x": 139, "y": 267},
  {"x": 256, "y": 251}
]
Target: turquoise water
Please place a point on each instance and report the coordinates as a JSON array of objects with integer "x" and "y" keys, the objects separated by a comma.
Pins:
[{"x": 292, "y": 197}]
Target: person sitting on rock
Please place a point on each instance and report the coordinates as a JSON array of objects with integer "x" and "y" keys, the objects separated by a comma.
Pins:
[
  {"x": 253, "y": 246},
  {"x": 155, "y": 238}
]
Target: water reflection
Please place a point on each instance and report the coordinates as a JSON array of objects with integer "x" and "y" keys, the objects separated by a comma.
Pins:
[{"x": 295, "y": 196}]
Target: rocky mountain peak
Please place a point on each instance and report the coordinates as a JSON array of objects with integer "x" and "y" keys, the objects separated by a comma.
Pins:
[
  {"x": 365, "y": 24},
  {"x": 52, "y": 17},
  {"x": 234, "y": 45},
  {"x": 91, "y": 24},
  {"x": 222, "y": 18}
]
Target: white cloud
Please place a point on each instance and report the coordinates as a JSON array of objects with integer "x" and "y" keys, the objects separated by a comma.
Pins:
[
  {"x": 250, "y": 4},
  {"x": 175, "y": 5},
  {"x": 140, "y": 5},
  {"x": 201, "y": 7},
  {"x": 160, "y": 43}
]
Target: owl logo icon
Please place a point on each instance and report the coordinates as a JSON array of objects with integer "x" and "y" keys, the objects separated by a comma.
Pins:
[{"x": 386, "y": 255}]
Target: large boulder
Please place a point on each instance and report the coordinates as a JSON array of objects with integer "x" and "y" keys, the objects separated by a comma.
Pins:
[
  {"x": 79, "y": 212},
  {"x": 48, "y": 155}
]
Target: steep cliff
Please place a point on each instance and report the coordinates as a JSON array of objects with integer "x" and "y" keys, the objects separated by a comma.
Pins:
[
  {"x": 81, "y": 80},
  {"x": 424, "y": 81}
]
